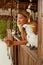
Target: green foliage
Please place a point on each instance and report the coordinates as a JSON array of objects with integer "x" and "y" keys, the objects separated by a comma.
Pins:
[
  {"x": 14, "y": 25},
  {"x": 6, "y": 24},
  {"x": 3, "y": 26}
]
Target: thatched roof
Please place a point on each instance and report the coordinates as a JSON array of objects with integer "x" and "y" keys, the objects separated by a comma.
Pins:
[{"x": 5, "y": 4}]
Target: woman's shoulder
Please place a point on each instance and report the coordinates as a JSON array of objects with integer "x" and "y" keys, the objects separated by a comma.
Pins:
[{"x": 34, "y": 26}]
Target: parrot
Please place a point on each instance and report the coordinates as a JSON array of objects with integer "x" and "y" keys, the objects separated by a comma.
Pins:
[{"x": 32, "y": 38}]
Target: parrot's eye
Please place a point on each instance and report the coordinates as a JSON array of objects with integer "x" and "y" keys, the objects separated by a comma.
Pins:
[{"x": 23, "y": 28}]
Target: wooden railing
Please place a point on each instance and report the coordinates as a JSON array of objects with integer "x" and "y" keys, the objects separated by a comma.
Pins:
[{"x": 25, "y": 56}]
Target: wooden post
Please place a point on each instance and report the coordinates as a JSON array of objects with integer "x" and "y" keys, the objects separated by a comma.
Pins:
[{"x": 40, "y": 28}]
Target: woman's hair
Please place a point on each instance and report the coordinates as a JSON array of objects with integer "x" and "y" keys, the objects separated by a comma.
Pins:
[{"x": 24, "y": 13}]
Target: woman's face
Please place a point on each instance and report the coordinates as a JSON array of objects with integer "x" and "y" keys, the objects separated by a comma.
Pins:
[{"x": 21, "y": 19}]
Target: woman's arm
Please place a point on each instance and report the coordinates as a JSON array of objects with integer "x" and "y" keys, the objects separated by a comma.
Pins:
[
  {"x": 13, "y": 43},
  {"x": 23, "y": 41},
  {"x": 23, "y": 34},
  {"x": 19, "y": 42}
]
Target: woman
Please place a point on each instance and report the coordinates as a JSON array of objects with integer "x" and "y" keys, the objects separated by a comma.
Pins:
[{"x": 25, "y": 29}]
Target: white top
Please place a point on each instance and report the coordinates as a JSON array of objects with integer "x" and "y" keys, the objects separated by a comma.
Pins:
[
  {"x": 31, "y": 37},
  {"x": 4, "y": 60}
]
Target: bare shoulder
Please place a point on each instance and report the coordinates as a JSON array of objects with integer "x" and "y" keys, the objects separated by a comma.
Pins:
[{"x": 34, "y": 26}]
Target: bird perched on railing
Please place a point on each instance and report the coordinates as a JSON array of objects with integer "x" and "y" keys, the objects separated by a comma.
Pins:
[{"x": 32, "y": 38}]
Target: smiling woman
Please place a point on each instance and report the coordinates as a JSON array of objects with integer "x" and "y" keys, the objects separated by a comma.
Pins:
[{"x": 28, "y": 35}]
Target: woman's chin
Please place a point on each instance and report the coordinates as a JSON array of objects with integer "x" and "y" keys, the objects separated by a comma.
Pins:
[{"x": 20, "y": 24}]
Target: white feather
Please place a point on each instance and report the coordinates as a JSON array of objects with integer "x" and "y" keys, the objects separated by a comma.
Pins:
[{"x": 31, "y": 37}]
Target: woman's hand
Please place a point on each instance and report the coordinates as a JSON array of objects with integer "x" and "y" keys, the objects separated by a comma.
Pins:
[{"x": 8, "y": 42}]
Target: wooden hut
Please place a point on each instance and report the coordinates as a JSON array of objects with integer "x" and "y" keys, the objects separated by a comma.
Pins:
[{"x": 22, "y": 55}]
